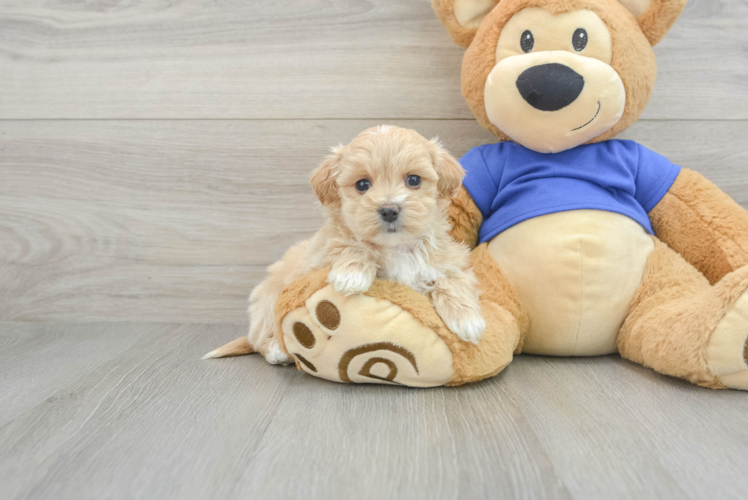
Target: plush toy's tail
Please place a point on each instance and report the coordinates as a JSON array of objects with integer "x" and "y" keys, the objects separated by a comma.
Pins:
[{"x": 238, "y": 347}]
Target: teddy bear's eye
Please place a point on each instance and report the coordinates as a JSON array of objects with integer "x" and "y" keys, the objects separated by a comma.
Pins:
[
  {"x": 579, "y": 40},
  {"x": 527, "y": 42}
]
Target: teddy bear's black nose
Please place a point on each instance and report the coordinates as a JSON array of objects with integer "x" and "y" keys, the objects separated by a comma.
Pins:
[{"x": 550, "y": 87}]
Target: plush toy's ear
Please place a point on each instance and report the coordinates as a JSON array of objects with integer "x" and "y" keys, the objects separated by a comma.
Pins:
[
  {"x": 324, "y": 179},
  {"x": 461, "y": 18},
  {"x": 448, "y": 169},
  {"x": 655, "y": 17}
]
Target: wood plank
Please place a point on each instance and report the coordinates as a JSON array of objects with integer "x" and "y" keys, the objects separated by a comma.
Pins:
[
  {"x": 314, "y": 59},
  {"x": 376, "y": 442},
  {"x": 156, "y": 422},
  {"x": 176, "y": 221},
  {"x": 618, "y": 430},
  {"x": 37, "y": 359},
  {"x": 546, "y": 428}
]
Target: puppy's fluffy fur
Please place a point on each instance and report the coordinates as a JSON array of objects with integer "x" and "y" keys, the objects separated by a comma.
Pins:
[{"x": 360, "y": 244}]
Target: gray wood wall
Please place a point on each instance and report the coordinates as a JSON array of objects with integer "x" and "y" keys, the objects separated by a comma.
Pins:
[{"x": 154, "y": 156}]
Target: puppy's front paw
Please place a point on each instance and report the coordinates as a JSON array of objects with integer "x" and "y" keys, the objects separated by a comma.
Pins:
[
  {"x": 461, "y": 315},
  {"x": 275, "y": 355},
  {"x": 350, "y": 282},
  {"x": 468, "y": 329}
]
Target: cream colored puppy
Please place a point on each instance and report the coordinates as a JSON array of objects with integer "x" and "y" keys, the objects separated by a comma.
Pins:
[{"x": 385, "y": 197}]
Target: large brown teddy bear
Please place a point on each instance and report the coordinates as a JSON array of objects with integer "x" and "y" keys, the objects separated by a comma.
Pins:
[{"x": 583, "y": 245}]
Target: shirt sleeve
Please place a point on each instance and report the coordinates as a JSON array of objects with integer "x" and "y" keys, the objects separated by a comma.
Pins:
[
  {"x": 655, "y": 175},
  {"x": 478, "y": 180}
]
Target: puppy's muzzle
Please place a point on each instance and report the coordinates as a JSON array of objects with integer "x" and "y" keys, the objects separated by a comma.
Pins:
[{"x": 389, "y": 213}]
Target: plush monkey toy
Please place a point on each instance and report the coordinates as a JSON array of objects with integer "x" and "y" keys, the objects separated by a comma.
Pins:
[{"x": 583, "y": 245}]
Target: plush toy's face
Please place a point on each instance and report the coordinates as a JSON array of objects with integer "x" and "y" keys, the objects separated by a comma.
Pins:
[
  {"x": 560, "y": 67},
  {"x": 554, "y": 74}
]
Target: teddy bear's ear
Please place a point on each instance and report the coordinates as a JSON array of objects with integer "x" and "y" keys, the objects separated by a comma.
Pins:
[
  {"x": 461, "y": 18},
  {"x": 655, "y": 17}
]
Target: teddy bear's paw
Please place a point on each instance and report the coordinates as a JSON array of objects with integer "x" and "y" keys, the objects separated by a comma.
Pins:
[
  {"x": 363, "y": 339},
  {"x": 727, "y": 351}
]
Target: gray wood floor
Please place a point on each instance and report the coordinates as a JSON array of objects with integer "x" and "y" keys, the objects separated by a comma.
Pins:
[
  {"x": 154, "y": 159},
  {"x": 128, "y": 411}
]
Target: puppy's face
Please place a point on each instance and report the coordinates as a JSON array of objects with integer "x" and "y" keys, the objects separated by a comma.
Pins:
[{"x": 390, "y": 185}]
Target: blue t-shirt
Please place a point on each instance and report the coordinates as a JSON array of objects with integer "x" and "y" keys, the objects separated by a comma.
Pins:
[{"x": 510, "y": 183}]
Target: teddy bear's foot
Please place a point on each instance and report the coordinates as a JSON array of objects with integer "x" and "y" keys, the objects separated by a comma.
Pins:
[
  {"x": 681, "y": 325},
  {"x": 364, "y": 340},
  {"x": 393, "y": 335},
  {"x": 727, "y": 351}
]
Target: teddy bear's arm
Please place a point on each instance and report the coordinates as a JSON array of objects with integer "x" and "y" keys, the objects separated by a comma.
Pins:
[
  {"x": 703, "y": 224},
  {"x": 465, "y": 218}
]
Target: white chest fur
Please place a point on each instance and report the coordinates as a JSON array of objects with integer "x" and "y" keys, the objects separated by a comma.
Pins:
[
  {"x": 410, "y": 266},
  {"x": 576, "y": 274}
]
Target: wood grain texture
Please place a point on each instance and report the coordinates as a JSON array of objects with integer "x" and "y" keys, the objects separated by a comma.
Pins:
[
  {"x": 156, "y": 422},
  {"x": 148, "y": 424},
  {"x": 177, "y": 221},
  {"x": 645, "y": 435},
  {"x": 37, "y": 359},
  {"x": 302, "y": 59}
]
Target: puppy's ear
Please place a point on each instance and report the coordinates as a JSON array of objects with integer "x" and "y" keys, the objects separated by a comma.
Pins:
[
  {"x": 655, "y": 17},
  {"x": 461, "y": 18},
  {"x": 448, "y": 169},
  {"x": 324, "y": 179}
]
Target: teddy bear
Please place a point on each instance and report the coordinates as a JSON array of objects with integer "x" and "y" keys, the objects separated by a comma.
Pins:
[{"x": 584, "y": 245}]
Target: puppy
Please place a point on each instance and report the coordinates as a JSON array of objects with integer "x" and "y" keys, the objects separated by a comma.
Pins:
[{"x": 385, "y": 196}]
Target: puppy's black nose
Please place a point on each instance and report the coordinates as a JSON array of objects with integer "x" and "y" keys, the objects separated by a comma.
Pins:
[
  {"x": 389, "y": 213},
  {"x": 550, "y": 87}
]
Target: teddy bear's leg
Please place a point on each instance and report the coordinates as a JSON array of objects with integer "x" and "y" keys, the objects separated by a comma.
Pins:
[
  {"x": 680, "y": 325},
  {"x": 506, "y": 322},
  {"x": 393, "y": 335}
]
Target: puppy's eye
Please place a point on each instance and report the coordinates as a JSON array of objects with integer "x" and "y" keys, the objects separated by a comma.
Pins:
[
  {"x": 363, "y": 185},
  {"x": 579, "y": 40},
  {"x": 527, "y": 42},
  {"x": 413, "y": 181}
]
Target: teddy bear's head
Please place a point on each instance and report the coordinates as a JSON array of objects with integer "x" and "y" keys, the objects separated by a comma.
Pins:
[{"x": 554, "y": 74}]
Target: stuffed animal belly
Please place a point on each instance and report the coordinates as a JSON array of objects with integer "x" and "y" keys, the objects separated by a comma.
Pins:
[{"x": 576, "y": 274}]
